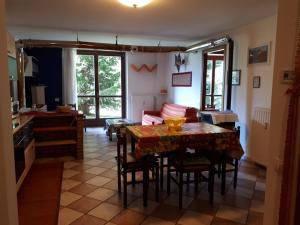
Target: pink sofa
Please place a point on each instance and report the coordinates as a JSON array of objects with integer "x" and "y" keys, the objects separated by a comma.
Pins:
[{"x": 169, "y": 110}]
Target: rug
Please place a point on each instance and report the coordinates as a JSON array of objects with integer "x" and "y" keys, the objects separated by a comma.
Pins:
[{"x": 39, "y": 195}]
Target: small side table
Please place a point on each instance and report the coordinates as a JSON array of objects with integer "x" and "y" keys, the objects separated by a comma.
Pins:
[{"x": 113, "y": 125}]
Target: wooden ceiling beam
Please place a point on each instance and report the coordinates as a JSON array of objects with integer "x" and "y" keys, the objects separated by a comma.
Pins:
[{"x": 29, "y": 43}]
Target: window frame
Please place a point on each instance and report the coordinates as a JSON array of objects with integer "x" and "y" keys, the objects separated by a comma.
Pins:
[
  {"x": 98, "y": 121},
  {"x": 206, "y": 57}
]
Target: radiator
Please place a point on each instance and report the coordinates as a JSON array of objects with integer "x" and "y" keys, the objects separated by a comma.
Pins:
[
  {"x": 262, "y": 116},
  {"x": 140, "y": 103},
  {"x": 259, "y": 135}
]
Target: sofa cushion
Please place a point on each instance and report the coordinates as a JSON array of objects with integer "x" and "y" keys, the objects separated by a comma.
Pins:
[
  {"x": 150, "y": 120},
  {"x": 173, "y": 110}
]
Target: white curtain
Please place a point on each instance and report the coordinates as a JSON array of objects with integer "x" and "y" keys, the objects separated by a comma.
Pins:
[{"x": 69, "y": 87}]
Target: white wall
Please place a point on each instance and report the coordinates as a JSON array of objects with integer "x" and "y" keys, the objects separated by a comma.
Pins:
[
  {"x": 244, "y": 97},
  {"x": 188, "y": 96},
  {"x": 8, "y": 190},
  {"x": 145, "y": 83}
]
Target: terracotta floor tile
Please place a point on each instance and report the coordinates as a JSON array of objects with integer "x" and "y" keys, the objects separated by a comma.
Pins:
[
  {"x": 219, "y": 221},
  {"x": 203, "y": 206},
  {"x": 70, "y": 164},
  {"x": 156, "y": 221},
  {"x": 93, "y": 162},
  {"x": 173, "y": 199},
  {"x": 83, "y": 176},
  {"x": 117, "y": 199},
  {"x": 98, "y": 181},
  {"x": 167, "y": 212},
  {"x": 67, "y": 216},
  {"x": 245, "y": 183},
  {"x": 236, "y": 201},
  {"x": 128, "y": 217},
  {"x": 92, "y": 155},
  {"x": 249, "y": 170},
  {"x": 88, "y": 220},
  {"x": 110, "y": 174},
  {"x": 95, "y": 170},
  {"x": 83, "y": 189},
  {"x": 69, "y": 173},
  {"x": 106, "y": 211},
  {"x": 137, "y": 206},
  {"x": 69, "y": 183},
  {"x": 108, "y": 164},
  {"x": 81, "y": 167},
  {"x": 113, "y": 185},
  {"x": 101, "y": 194},
  {"x": 194, "y": 218},
  {"x": 84, "y": 204},
  {"x": 67, "y": 198},
  {"x": 233, "y": 214}
]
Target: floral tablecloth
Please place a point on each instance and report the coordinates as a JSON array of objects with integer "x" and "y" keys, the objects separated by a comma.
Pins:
[{"x": 158, "y": 138}]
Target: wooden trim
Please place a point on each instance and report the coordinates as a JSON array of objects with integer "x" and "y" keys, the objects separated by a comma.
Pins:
[
  {"x": 229, "y": 73},
  {"x": 30, "y": 43},
  {"x": 205, "y": 58},
  {"x": 204, "y": 80}
]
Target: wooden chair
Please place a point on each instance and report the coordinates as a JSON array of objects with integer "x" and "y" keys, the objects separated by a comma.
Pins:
[
  {"x": 228, "y": 164},
  {"x": 186, "y": 163},
  {"x": 127, "y": 163}
]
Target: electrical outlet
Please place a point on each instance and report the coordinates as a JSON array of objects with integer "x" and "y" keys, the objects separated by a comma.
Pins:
[{"x": 56, "y": 99}]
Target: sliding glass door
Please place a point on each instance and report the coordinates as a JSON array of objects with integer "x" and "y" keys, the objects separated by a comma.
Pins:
[{"x": 100, "y": 85}]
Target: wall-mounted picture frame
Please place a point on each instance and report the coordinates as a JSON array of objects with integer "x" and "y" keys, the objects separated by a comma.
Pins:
[
  {"x": 256, "y": 82},
  {"x": 236, "y": 77},
  {"x": 259, "y": 54},
  {"x": 182, "y": 79}
]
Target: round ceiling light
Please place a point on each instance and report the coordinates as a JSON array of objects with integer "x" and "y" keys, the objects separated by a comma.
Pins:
[{"x": 135, "y": 3}]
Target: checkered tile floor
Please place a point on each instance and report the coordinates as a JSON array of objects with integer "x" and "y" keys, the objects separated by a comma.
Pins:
[{"x": 89, "y": 194}]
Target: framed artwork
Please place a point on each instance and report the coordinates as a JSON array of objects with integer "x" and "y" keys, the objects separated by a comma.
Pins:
[
  {"x": 256, "y": 82},
  {"x": 182, "y": 79},
  {"x": 236, "y": 77},
  {"x": 259, "y": 54}
]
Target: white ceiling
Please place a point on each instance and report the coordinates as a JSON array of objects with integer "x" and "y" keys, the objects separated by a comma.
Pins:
[{"x": 173, "y": 22}]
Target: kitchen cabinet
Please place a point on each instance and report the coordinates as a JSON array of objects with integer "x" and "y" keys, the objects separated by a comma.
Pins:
[{"x": 24, "y": 146}]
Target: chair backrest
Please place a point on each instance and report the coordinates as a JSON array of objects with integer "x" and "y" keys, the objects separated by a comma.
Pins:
[{"x": 121, "y": 143}]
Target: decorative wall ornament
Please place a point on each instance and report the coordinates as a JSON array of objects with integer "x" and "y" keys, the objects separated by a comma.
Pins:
[
  {"x": 145, "y": 67},
  {"x": 179, "y": 61}
]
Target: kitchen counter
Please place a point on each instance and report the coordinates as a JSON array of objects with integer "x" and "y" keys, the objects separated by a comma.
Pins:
[{"x": 20, "y": 121}]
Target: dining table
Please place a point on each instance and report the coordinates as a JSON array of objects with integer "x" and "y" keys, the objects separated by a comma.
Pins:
[
  {"x": 156, "y": 139},
  {"x": 159, "y": 138}
]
